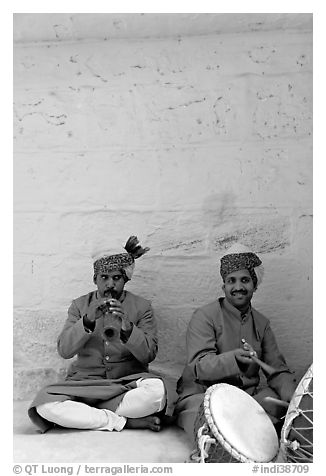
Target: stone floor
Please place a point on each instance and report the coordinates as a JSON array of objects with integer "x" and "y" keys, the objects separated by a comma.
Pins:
[{"x": 74, "y": 446}]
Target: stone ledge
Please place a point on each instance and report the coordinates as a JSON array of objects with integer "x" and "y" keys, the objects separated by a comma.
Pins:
[{"x": 27, "y": 382}]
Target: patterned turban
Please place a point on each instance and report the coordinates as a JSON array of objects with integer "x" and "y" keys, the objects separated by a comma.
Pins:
[
  {"x": 106, "y": 261},
  {"x": 240, "y": 257}
]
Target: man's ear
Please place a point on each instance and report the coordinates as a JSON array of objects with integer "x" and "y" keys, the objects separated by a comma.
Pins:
[
  {"x": 223, "y": 287},
  {"x": 124, "y": 275}
]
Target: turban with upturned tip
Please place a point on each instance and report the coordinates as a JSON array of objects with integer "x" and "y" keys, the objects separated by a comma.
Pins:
[{"x": 105, "y": 261}]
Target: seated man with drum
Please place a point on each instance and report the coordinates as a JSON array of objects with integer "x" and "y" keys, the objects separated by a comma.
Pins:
[
  {"x": 228, "y": 341},
  {"x": 113, "y": 334}
]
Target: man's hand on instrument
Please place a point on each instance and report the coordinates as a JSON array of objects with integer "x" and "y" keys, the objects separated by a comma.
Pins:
[
  {"x": 96, "y": 309},
  {"x": 247, "y": 346},
  {"x": 116, "y": 308},
  {"x": 243, "y": 356}
]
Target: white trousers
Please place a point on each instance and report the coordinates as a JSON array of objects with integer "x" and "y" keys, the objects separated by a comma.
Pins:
[{"x": 149, "y": 397}]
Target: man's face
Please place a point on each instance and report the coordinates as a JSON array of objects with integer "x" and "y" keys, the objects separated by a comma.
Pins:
[
  {"x": 110, "y": 283},
  {"x": 239, "y": 288}
]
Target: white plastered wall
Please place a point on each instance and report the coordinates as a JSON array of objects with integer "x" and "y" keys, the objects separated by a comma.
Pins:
[{"x": 190, "y": 143}]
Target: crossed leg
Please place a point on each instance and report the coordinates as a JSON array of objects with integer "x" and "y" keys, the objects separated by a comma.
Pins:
[{"x": 135, "y": 410}]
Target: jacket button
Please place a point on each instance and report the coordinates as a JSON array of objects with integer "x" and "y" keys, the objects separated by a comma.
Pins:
[{"x": 107, "y": 357}]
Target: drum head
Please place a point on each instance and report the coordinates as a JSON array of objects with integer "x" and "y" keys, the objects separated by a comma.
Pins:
[{"x": 242, "y": 423}]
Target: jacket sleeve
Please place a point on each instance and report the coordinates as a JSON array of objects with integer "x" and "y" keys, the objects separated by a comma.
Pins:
[
  {"x": 272, "y": 356},
  {"x": 143, "y": 342},
  {"x": 73, "y": 335},
  {"x": 202, "y": 354}
]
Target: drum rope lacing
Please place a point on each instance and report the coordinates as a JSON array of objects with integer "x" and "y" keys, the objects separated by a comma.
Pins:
[
  {"x": 204, "y": 443},
  {"x": 300, "y": 453},
  {"x": 301, "y": 450},
  {"x": 199, "y": 454}
]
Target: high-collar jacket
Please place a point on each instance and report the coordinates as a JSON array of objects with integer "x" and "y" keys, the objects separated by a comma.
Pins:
[
  {"x": 99, "y": 358},
  {"x": 214, "y": 332}
]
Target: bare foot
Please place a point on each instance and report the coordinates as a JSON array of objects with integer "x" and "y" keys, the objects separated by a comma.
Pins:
[{"x": 150, "y": 422}]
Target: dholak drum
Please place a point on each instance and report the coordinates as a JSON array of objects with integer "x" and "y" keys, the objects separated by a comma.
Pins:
[
  {"x": 231, "y": 427},
  {"x": 297, "y": 431}
]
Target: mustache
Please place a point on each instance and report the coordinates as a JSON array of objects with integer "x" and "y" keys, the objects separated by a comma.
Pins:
[{"x": 114, "y": 294}]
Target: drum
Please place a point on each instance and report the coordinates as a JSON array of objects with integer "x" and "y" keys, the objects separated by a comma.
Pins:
[
  {"x": 297, "y": 431},
  {"x": 231, "y": 427}
]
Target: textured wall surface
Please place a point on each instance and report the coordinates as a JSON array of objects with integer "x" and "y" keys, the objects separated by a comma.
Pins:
[{"x": 190, "y": 143}]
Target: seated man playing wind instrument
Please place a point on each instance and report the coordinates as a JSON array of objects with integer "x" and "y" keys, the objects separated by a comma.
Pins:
[{"x": 112, "y": 332}]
